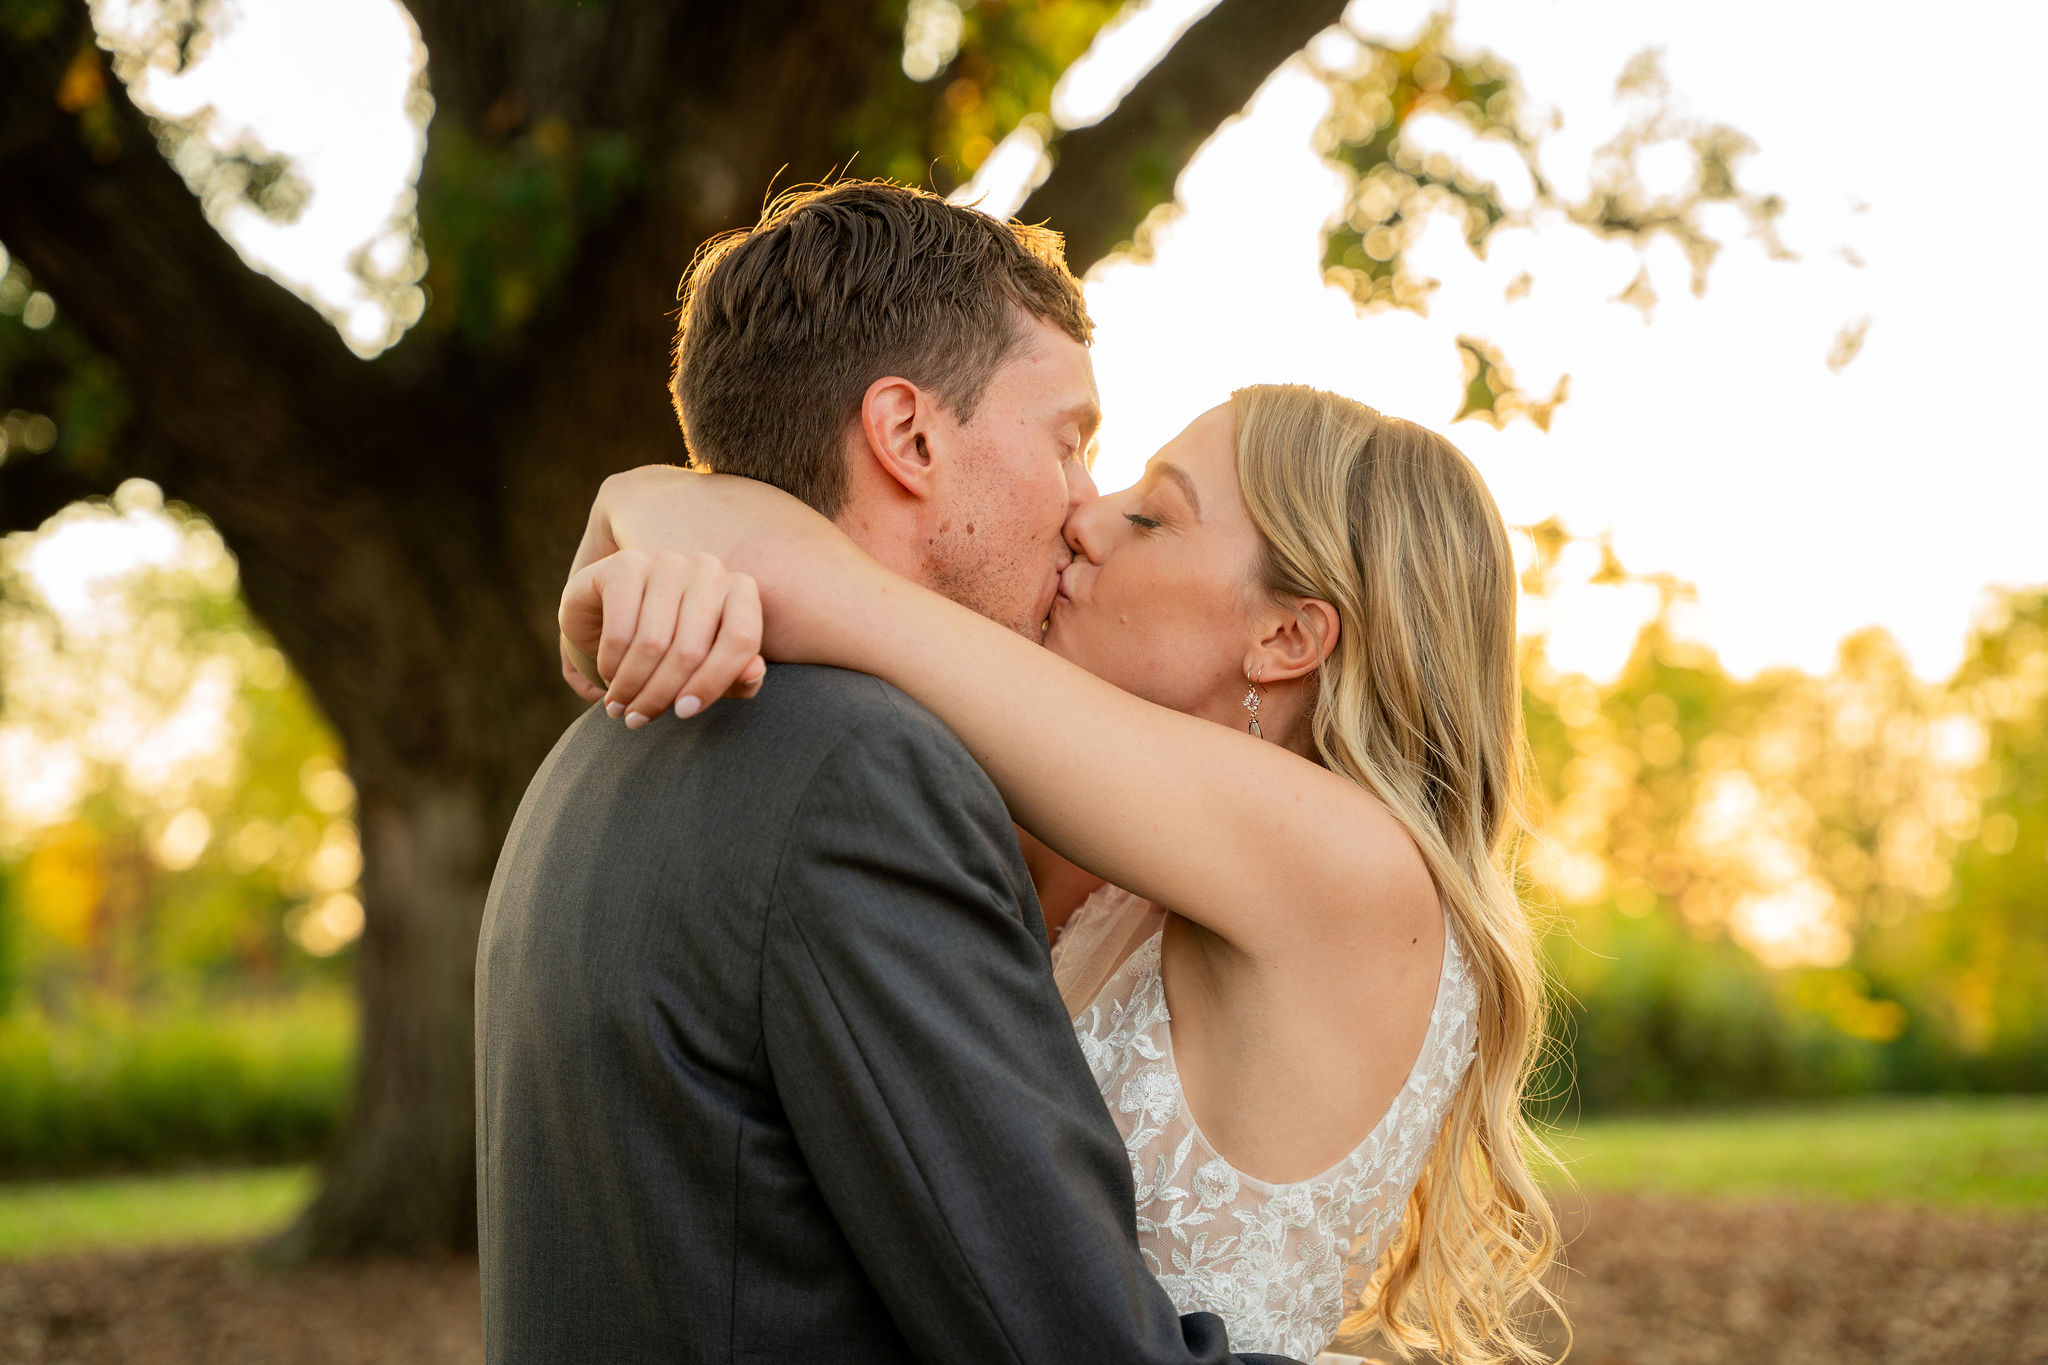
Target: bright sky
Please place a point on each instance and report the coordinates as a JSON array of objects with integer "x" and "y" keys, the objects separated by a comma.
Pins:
[{"x": 1712, "y": 442}]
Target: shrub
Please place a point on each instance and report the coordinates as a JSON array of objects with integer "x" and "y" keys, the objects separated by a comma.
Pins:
[{"x": 118, "y": 1087}]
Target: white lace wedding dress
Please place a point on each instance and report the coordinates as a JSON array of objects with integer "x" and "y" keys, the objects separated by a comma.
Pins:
[{"x": 1281, "y": 1264}]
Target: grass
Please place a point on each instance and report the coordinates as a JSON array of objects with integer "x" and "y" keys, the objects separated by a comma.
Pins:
[
  {"x": 51, "y": 1218},
  {"x": 1966, "y": 1152}
]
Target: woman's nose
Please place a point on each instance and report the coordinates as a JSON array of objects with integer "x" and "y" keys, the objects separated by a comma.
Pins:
[{"x": 1084, "y": 531}]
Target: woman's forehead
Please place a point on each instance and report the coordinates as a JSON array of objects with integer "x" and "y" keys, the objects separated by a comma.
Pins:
[{"x": 1207, "y": 450}]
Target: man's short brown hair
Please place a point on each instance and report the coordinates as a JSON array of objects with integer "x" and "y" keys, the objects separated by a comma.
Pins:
[{"x": 786, "y": 324}]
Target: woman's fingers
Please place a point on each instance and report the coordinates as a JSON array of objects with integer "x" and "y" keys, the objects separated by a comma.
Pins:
[
  {"x": 750, "y": 680},
  {"x": 665, "y": 630},
  {"x": 733, "y": 652},
  {"x": 646, "y": 597},
  {"x": 581, "y": 613},
  {"x": 572, "y": 675},
  {"x": 601, "y": 608},
  {"x": 697, "y": 616}
]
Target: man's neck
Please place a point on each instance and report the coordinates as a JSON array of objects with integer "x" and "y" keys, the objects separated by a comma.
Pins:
[{"x": 888, "y": 535}]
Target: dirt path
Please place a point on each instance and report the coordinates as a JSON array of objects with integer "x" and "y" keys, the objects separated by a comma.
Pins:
[
  {"x": 218, "y": 1308},
  {"x": 1653, "y": 1282},
  {"x": 1659, "y": 1281}
]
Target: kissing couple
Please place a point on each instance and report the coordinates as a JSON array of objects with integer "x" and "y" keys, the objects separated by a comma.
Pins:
[{"x": 1086, "y": 935}]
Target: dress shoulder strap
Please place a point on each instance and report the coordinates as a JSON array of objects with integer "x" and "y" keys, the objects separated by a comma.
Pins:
[{"x": 1097, "y": 940}]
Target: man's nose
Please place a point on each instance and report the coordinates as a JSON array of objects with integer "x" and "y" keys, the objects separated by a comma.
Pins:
[{"x": 1080, "y": 484}]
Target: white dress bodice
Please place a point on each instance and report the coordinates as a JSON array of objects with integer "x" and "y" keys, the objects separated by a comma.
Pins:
[{"x": 1281, "y": 1264}]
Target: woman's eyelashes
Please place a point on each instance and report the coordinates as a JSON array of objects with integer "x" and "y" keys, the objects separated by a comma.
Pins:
[{"x": 1143, "y": 523}]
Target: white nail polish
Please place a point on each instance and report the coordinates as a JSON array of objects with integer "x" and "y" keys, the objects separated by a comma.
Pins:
[{"x": 688, "y": 706}]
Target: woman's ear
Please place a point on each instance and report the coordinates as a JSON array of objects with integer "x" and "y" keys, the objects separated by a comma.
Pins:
[
  {"x": 893, "y": 416},
  {"x": 1299, "y": 636}
]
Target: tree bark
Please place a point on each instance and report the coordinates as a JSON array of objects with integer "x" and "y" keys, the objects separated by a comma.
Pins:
[{"x": 402, "y": 526}]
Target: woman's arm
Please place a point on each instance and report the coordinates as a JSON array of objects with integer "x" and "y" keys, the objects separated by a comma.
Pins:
[
  {"x": 1203, "y": 819},
  {"x": 1061, "y": 886}
]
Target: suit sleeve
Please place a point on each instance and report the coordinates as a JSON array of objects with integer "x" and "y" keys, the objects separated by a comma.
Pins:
[{"x": 931, "y": 1076}]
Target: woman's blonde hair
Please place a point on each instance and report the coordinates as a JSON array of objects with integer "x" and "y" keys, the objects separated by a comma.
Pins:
[{"x": 1420, "y": 704}]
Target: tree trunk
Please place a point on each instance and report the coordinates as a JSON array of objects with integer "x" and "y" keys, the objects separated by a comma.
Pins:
[
  {"x": 442, "y": 690},
  {"x": 403, "y": 1175}
]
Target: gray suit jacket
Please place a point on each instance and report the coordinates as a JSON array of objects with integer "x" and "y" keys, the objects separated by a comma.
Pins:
[{"x": 770, "y": 1064}]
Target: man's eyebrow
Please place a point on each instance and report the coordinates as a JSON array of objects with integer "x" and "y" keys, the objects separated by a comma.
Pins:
[
  {"x": 1088, "y": 414},
  {"x": 1179, "y": 476}
]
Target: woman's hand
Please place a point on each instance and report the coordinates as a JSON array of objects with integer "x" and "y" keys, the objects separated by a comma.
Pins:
[
  {"x": 665, "y": 629},
  {"x": 667, "y": 550}
]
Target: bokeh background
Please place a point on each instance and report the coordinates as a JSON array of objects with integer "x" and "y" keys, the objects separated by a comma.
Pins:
[{"x": 321, "y": 319}]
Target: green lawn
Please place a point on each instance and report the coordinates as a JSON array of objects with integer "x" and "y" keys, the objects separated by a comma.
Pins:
[
  {"x": 1990, "y": 1152},
  {"x": 1972, "y": 1152},
  {"x": 49, "y": 1218}
]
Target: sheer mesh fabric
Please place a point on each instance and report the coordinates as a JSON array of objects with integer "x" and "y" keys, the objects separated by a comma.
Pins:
[{"x": 1281, "y": 1264}]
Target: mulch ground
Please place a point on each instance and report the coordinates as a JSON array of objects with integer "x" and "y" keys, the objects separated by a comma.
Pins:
[{"x": 1653, "y": 1281}]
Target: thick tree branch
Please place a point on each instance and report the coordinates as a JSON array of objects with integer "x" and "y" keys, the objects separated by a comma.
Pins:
[
  {"x": 633, "y": 69},
  {"x": 113, "y": 233},
  {"x": 1107, "y": 177}
]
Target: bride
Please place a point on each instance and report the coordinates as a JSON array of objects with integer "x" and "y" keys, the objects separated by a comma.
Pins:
[{"x": 1277, "y": 720}]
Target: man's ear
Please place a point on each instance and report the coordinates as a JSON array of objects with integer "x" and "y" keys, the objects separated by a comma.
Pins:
[
  {"x": 894, "y": 416},
  {"x": 1300, "y": 635}
]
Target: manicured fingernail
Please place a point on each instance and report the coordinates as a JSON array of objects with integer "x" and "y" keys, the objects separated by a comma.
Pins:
[
  {"x": 615, "y": 709},
  {"x": 688, "y": 706},
  {"x": 635, "y": 721}
]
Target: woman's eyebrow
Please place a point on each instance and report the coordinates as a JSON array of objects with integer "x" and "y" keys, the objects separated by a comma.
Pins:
[{"x": 1179, "y": 476}]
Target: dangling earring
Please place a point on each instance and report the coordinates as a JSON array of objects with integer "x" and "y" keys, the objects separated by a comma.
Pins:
[{"x": 1251, "y": 704}]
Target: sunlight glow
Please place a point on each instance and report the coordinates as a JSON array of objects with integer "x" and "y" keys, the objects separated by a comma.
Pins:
[
  {"x": 102, "y": 680},
  {"x": 1017, "y": 166}
]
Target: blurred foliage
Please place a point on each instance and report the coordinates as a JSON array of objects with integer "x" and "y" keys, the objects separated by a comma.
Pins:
[
  {"x": 115, "y": 1087},
  {"x": 81, "y": 405},
  {"x": 506, "y": 211},
  {"x": 1428, "y": 132},
  {"x": 178, "y": 858},
  {"x": 992, "y": 65},
  {"x": 1382, "y": 98},
  {"x": 176, "y": 825},
  {"x": 1785, "y": 886},
  {"x": 1399, "y": 112},
  {"x": 1791, "y": 885}
]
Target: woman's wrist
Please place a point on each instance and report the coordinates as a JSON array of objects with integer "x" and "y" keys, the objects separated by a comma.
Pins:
[{"x": 812, "y": 579}]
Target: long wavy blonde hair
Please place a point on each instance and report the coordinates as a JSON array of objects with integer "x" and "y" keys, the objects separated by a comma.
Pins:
[{"x": 1420, "y": 704}]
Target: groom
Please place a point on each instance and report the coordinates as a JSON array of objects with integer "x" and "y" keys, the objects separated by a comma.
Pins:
[{"x": 770, "y": 1062}]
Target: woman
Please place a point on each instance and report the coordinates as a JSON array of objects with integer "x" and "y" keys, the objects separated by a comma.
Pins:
[{"x": 1291, "y": 749}]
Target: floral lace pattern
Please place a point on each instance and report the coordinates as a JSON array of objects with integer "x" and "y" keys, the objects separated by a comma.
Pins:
[{"x": 1281, "y": 1264}]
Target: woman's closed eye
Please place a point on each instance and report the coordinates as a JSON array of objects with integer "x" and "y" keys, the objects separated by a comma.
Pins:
[{"x": 1143, "y": 523}]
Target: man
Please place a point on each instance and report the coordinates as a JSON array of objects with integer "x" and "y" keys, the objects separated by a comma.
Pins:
[{"x": 770, "y": 1062}]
